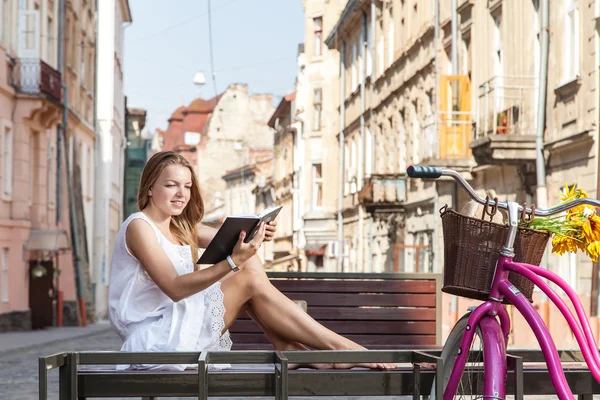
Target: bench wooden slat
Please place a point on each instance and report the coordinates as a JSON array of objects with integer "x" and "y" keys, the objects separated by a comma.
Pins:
[
  {"x": 357, "y": 327},
  {"x": 364, "y": 340},
  {"x": 369, "y": 314},
  {"x": 357, "y": 300},
  {"x": 340, "y": 286}
]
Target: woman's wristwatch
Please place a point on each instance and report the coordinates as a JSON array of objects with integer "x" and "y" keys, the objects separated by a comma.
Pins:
[{"x": 234, "y": 267}]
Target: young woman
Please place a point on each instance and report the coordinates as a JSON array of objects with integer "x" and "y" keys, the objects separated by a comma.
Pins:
[{"x": 158, "y": 301}]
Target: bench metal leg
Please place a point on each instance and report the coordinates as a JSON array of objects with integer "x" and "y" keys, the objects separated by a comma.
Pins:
[
  {"x": 67, "y": 378},
  {"x": 281, "y": 376}
]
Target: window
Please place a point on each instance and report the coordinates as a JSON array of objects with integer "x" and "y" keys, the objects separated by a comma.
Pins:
[
  {"x": 390, "y": 36},
  {"x": 416, "y": 134},
  {"x": 380, "y": 50},
  {"x": 317, "y": 192},
  {"x": 73, "y": 43},
  {"x": 360, "y": 60},
  {"x": 354, "y": 70},
  {"x": 571, "y": 45},
  {"x": 7, "y": 143},
  {"x": 33, "y": 164},
  {"x": 51, "y": 171},
  {"x": 346, "y": 169},
  {"x": 369, "y": 51},
  {"x": 89, "y": 174},
  {"x": 317, "y": 108},
  {"x": 353, "y": 158},
  {"x": 82, "y": 60},
  {"x": 318, "y": 35},
  {"x": 498, "y": 64},
  {"x": 5, "y": 22},
  {"x": 402, "y": 143},
  {"x": 4, "y": 276},
  {"x": 83, "y": 167},
  {"x": 50, "y": 42},
  {"x": 368, "y": 152}
]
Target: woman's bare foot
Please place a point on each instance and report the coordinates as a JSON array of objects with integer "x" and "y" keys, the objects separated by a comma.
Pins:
[
  {"x": 355, "y": 346},
  {"x": 300, "y": 347}
]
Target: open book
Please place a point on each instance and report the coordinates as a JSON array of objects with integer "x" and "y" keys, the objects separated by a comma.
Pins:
[{"x": 228, "y": 234}]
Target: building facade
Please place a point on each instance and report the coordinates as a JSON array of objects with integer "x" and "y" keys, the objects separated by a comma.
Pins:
[
  {"x": 219, "y": 135},
  {"x": 136, "y": 155},
  {"x": 47, "y": 94},
  {"x": 411, "y": 93},
  {"x": 287, "y": 252},
  {"x": 316, "y": 149},
  {"x": 113, "y": 17}
]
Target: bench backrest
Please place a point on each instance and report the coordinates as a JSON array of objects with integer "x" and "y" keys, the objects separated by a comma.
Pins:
[{"x": 378, "y": 311}]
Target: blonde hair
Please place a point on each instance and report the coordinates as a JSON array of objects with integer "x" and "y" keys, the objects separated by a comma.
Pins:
[{"x": 184, "y": 225}]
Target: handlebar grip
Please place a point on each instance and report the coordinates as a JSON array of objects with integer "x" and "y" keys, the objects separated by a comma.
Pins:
[{"x": 420, "y": 171}]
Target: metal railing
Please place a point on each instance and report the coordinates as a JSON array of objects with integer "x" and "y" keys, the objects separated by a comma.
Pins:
[
  {"x": 34, "y": 76},
  {"x": 507, "y": 105},
  {"x": 383, "y": 188}
]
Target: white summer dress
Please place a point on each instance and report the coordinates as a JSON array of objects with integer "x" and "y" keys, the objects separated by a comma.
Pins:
[{"x": 148, "y": 320}]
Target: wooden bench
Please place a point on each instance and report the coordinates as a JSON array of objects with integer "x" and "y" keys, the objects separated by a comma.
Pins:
[{"x": 378, "y": 311}]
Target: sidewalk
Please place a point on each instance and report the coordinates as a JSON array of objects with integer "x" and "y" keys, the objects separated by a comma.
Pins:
[{"x": 13, "y": 341}]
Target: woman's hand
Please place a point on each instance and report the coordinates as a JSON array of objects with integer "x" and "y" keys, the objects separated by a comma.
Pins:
[
  {"x": 242, "y": 252},
  {"x": 270, "y": 231}
]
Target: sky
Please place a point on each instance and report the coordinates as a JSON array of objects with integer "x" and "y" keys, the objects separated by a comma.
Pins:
[{"x": 254, "y": 42}]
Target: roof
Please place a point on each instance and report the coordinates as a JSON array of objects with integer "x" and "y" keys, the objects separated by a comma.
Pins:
[
  {"x": 283, "y": 108},
  {"x": 126, "y": 10},
  {"x": 203, "y": 106},
  {"x": 136, "y": 111},
  {"x": 178, "y": 114},
  {"x": 350, "y": 8}
]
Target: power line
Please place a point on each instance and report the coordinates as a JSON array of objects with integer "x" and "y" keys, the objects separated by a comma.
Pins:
[{"x": 178, "y": 24}]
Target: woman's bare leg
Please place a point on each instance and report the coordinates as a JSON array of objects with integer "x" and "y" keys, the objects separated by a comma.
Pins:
[
  {"x": 280, "y": 343},
  {"x": 277, "y": 312}
]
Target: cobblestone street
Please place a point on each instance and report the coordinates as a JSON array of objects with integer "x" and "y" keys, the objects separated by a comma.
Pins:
[{"x": 19, "y": 375}]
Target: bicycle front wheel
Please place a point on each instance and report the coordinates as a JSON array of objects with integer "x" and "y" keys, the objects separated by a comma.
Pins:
[{"x": 473, "y": 373}]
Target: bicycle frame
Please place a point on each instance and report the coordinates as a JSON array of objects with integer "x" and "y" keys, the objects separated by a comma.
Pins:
[
  {"x": 492, "y": 317},
  {"x": 495, "y": 336}
]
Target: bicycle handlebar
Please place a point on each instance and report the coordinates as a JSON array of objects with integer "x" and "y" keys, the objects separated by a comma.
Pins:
[{"x": 425, "y": 172}]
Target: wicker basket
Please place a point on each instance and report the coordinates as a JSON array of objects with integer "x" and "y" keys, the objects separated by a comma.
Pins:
[{"x": 471, "y": 250}]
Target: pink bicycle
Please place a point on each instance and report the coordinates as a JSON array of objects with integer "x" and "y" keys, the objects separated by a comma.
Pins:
[{"x": 490, "y": 320}]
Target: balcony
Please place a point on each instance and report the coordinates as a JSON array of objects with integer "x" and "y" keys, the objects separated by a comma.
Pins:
[
  {"x": 506, "y": 124},
  {"x": 383, "y": 191},
  {"x": 445, "y": 141},
  {"x": 33, "y": 76}
]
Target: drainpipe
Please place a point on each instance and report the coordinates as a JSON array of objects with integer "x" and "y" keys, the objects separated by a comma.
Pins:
[
  {"x": 361, "y": 149},
  {"x": 341, "y": 169},
  {"x": 436, "y": 6},
  {"x": 454, "y": 39},
  {"x": 540, "y": 166},
  {"x": 63, "y": 126},
  {"x": 97, "y": 162},
  {"x": 371, "y": 44}
]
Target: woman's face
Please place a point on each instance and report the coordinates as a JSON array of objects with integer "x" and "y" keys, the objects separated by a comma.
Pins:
[{"x": 171, "y": 191}]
